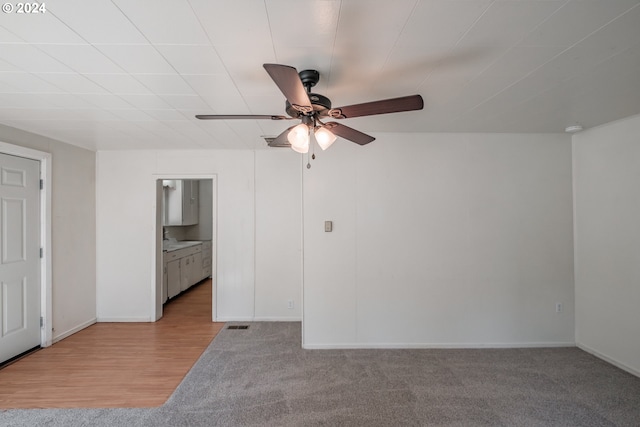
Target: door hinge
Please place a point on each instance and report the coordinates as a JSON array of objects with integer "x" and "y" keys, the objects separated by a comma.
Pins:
[
  {"x": 41, "y": 322},
  {"x": 42, "y": 184},
  {"x": 41, "y": 252}
]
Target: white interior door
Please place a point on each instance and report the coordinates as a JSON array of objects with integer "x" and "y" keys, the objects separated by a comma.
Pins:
[{"x": 19, "y": 255}]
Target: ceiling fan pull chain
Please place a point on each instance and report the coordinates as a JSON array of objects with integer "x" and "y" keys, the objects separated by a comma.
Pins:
[{"x": 308, "y": 162}]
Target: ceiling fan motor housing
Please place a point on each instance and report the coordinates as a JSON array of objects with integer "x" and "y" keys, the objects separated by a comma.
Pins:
[{"x": 320, "y": 103}]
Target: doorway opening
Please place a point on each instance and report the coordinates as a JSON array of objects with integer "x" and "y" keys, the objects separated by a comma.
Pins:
[{"x": 185, "y": 237}]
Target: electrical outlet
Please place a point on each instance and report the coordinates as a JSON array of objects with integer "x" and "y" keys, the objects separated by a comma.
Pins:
[
  {"x": 290, "y": 304},
  {"x": 558, "y": 307}
]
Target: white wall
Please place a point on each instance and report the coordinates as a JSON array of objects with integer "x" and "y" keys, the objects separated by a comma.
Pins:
[
  {"x": 126, "y": 214},
  {"x": 278, "y": 235},
  {"x": 73, "y": 230},
  {"x": 606, "y": 162},
  {"x": 440, "y": 240}
]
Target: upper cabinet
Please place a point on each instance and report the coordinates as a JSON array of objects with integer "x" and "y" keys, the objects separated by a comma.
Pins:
[{"x": 181, "y": 201}]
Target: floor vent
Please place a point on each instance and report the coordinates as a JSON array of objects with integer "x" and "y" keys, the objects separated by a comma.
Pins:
[{"x": 238, "y": 327}]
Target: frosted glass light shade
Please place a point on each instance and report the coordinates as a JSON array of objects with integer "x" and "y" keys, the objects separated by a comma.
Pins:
[
  {"x": 299, "y": 138},
  {"x": 325, "y": 138}
]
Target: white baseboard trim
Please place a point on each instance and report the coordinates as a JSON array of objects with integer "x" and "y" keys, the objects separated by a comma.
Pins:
[
  {"x": 608, "y": 359},
  {"x": 349, "y": 346},
  {"x": 234, "y": 319},
  {"x": 72, "y": 331},
  {"x": 258, "y": 319},
  {"x": 124, "y": 319}
]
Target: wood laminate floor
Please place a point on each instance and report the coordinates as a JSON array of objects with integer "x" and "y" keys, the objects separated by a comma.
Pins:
[{"x": 111, "y": 365}]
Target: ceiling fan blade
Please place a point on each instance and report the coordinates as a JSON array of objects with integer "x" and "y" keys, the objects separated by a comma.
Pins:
[
  {"x": 393, "y": 105},
  {"x": 281, "y": 140},
  {"x": 289, "y": 83},
  {"x": 349, "y": 133},
  {"x": 241, "y": 116}
]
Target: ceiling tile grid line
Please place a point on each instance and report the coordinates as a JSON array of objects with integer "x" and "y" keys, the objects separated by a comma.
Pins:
[{"x": 546, "y": 63}]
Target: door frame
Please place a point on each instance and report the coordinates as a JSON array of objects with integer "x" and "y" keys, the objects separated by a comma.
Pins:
[
  {"x": 46, "y": 312},
  {"x": 156, "y": 268}
]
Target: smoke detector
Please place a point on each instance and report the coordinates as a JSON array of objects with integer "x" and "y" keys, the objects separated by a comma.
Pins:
[{"x": 573, "y": 129}]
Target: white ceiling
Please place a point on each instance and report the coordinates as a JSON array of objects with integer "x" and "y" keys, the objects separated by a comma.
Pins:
[{"x": 131, "y": 74}]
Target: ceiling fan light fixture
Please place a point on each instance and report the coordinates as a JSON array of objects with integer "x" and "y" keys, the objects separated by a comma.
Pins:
[
  {"x": 324, "y": 137},
  {"x": 299, "y": 138}
]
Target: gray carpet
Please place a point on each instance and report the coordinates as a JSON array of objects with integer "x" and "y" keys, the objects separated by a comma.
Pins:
[{"x": 262, "y": 377}]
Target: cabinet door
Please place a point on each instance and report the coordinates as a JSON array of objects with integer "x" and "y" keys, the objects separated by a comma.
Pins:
[
  {"x": 190, "y": 203},
  {"x": 173, "y": 278},
  {"x": 185, "y": 273},
  {"x": 197, "y": 268}
]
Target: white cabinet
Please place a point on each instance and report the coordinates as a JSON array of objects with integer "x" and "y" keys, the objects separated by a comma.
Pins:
[
  {"x": 206, "y": 259},
  {"x": 181, "y": 201},
  {"x": 183, "y": 269}
]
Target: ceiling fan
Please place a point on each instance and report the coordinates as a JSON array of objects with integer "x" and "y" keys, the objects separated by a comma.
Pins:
[{"x": 312, "y": 108}]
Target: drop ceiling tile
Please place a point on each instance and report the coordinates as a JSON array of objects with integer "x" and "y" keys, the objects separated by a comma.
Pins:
[
  {"x": 506, "y": 22},
  {"x": 165, "y": 84},
  {"x": 441, "y": 22},
  {"x": 192, "y": 59},
  {"x": 66, "y": 100},
  {"x": 165, "y": 21},
  {"x": 388, "y": 19},
  {"x": 291, "y": 22},
  {"x": 186, "y": 102},
  {"x": 131, "y": 115},
  {"x": 146, "y": 101},
  {"x": 218, "y": 91},
  {"x": 118, "y": 83},
  {"x": 25, "y": 100},
  {"x": 81, "y": 58},
  {"x": 72, "y": 83},
  {"x": 137, "y": 58},
  {"x": 28, "y": 83},
  {"x": 7, "y": 36},
  {"x": 247, "y": 130},
  {"x": 274, "y": 105},
  {"x": 576, "y": 20},
  {"x": 618, "y": 35},
  {"x": 40, "y": 28},
  {"x": 106, "y": 101},
  {"x": 515, "y": 65},
  {"x": 165, "y": 115},
  {"x": 234, "y": 23},
  {"x": 246, "y": 70},
  {"x": 219, "y": 84},
  {"x": 28, "y": 57},
  {"x": 5, "y": 66},
  {"x": 112, "y": 26},
  {"x": 223, "y": 136}
]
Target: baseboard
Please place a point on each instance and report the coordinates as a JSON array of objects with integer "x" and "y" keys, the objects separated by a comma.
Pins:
[
  {"x": 72, "y": 331},
  {"x": 258, "y": 319},
  {"x": 356, "y": 346},
  {"x": 124, "y": 319},
  {"x": 608, "y": 359},
  {"x": 234, "y": 319}
]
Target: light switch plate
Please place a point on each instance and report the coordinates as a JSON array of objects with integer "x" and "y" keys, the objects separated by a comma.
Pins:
[{"x": 328, "y": 226}]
